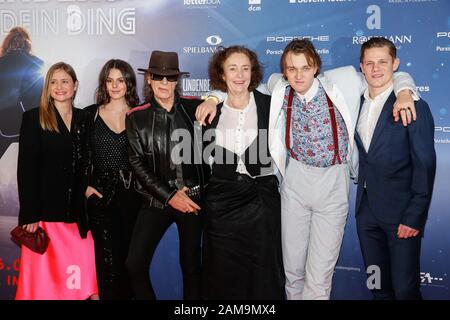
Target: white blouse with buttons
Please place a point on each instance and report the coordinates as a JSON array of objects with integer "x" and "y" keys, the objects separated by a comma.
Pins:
[{"x": 237, "y": 129}]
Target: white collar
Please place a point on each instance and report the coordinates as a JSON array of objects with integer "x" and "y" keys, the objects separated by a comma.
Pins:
[
  {"x": 311, "y": 93},
  {"x": 381, "y": 96},
  {"x": 251, "y": 102}
]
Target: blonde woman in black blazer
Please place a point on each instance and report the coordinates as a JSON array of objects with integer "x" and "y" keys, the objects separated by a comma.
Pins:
[{"x": 51, "y": 195}]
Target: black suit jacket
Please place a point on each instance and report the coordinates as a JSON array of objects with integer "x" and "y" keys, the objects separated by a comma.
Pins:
[{"x": 49, "y": 171}]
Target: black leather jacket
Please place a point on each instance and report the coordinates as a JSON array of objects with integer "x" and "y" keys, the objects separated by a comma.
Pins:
[{"x": 149, "y": 152}]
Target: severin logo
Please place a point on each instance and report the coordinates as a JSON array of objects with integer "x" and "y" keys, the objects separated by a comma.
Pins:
[{"x": 214, "y": 40}]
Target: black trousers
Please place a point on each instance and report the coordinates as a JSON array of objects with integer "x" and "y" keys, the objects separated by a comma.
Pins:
[
  {"x": 398, "y": 259},
  {"x": 112, "y": 227},
  {"x": 150, "y": 227}
]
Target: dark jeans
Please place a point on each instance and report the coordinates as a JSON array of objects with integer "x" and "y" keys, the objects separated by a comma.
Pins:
[
  {"x": 398, "y": 259},
  {"x": 112, "y": 227},
  {"x": 150, "y": 227}
]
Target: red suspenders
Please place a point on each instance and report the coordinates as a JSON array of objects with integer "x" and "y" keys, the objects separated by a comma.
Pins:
[
  {"x": 333, "y": 127},
  {"x": 288, "y": 124},
  {"x": 335, "y": 134}
]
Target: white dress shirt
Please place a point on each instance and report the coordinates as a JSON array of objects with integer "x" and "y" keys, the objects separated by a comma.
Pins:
[{"x": 370, "y": 113}]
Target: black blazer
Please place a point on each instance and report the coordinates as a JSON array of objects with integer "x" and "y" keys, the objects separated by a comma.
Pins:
[
  {"x": 89, "y": 117},
  {"x": 49, "y": 171},
  {"x": 399, "y": 168}
]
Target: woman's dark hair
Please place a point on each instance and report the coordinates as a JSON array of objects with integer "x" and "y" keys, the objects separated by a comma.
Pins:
[
  {"x": 131, "y": 96},
  {"x": 215, "y": 68}
]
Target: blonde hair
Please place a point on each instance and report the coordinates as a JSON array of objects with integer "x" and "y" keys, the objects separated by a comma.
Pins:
[{"x": 47, "y": 109}]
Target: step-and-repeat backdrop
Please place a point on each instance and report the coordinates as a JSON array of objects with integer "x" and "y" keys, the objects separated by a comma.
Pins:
[{"x": 86, "y": 33}]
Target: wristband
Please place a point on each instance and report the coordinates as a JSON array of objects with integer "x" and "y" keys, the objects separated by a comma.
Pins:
[{"x": 213, "y": 98}]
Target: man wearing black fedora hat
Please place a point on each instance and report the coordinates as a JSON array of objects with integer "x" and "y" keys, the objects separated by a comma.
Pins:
[
  {"x": 171, "y": 185},
  {"x": 163, "y": 63}
]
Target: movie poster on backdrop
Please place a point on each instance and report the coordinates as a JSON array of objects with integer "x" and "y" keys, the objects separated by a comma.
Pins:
[{"x": 87, "y": 33}]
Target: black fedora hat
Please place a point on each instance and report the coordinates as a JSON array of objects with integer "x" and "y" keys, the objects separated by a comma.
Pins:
[{"x": 164, "y": 63}]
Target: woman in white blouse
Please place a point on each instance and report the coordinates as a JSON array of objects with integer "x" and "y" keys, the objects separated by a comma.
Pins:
[{"x": 242, "y": 237}]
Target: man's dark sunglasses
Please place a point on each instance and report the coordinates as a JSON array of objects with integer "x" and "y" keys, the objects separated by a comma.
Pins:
[{"x": 159, "y": 77}]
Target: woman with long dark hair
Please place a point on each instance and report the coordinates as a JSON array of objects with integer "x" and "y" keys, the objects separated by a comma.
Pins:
[{"x": 112, "y": 202}]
